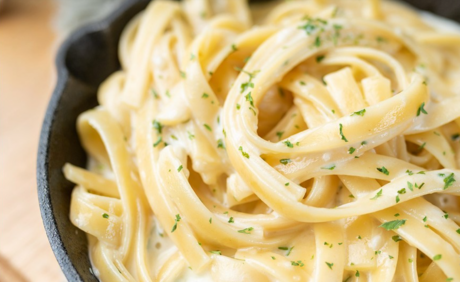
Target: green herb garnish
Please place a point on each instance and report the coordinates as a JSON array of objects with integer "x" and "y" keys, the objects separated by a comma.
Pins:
[
  {"x": 449, "y": 181},
  {"x": 158, "y": 126},
  {"x": 246, "y": 155},
  {"x": 421, "y": 109},
  {"x": 383, "y": 170},
  {"x": 359, "y": 113},
  {"x": 393, "y": 225},
  {"x": 178, "y": 218},
  {"x": 378, "y": 195},
  {"x": 246, "y": 230},
  {"x": 341, "y": 133},
  {"x": 285, "y": 161}
]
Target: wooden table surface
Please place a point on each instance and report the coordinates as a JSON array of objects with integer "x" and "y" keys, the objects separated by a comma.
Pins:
[{"x": 27, "y": 75}]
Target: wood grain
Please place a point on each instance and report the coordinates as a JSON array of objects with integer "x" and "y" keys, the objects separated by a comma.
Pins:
[{"x": 27, "y": 76}]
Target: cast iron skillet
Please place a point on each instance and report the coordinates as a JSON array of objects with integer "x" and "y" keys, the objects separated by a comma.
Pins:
[{"x": 83, "y": 62}]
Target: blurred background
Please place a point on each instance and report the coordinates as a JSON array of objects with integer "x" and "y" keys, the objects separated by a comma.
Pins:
[{"x": 30, "y": 34}]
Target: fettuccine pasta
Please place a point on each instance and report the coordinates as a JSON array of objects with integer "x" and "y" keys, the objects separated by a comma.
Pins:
[{"x": 291, "y": 141}]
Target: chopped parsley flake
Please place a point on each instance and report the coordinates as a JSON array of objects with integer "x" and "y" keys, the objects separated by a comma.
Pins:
[
  {"x": 329, "y": 264},
  {"x": 437, "y": 257},
  {"x": 286, "y": 184},
  {"x": 351, "y": 150},
  {"x": 341, "y": 133},
  {"x": 421, "y": 109},
  {"x": 279, "y": 134},
  {"x": 283, "y": 248},
  {"x": 357, "y": 273},
  {"x": 383, "y": 170},
  {"x": 249, "y": 99},
  {"x": 207, "y": 127},
  {"x": 331, "y": 167},
  {"x": 204, "y": 96},
  {"x": 183, "y": 74},
  {"x": 317, "y": 41},
  {"x": 297, "y": 263},
  {"x": 289, "y": 144},
  {"x": 155, "y": 94},
  {"x": 230, "y": 220},
  {"x": 249, "y": 84},
  {"x": 246, "y": 155},
  {"x": 178, "y": 218},
  {"x": 217, "y": 252},
  {"x": 410, "y": 186},
  {"x": 402, "y": 191},
  {"x": 381, "y": 39},
  {"x": 359, "y": 113},
  {"x": 396, "y": 238},
  {"x": 425, "y": 219},
  {"x": 312, "y": 25},
  {"x": 246, "y": 230},
  {"x": 246, "y": 85},
  {"x": 320, "y": 58},
  {"x": 273, "y": 258},
  {"x": 397, "y": 199},
  {"x": 455, "y": 137},
  {"x": 378, "y": 195},
  {"x": 396, "y": 214},
  {"x": 446, "y": 215},
  {"x": 289, "y": 251},
  {"x": 234, "y": 48},
  {"x": 180, "y": 168},
  {"x": 158, "y": 126},
  {"x": 285, "y": 161},
  {"x": 158, "y": 142},
  {"x": 393, "y": 225},
  {"x": 104, "y": 215},
  {"x": 448, "y": 181},
  {"x": 220, "y": 144},
  {"x": 422, "y": 146},
  {"x": 302, "y": 82},
  {"x": 190, "y": 135}
]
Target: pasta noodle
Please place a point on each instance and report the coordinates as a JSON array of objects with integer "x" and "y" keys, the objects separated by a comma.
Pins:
[{"x": 291, "y": 141}]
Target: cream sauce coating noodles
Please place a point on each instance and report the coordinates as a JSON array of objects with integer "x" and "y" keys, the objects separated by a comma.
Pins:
[{"x": 320, "y": 144}]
